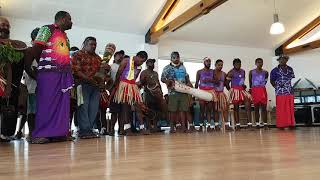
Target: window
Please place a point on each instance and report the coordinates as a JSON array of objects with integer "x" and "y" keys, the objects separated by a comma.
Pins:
[{"x": 310, "y": 99}]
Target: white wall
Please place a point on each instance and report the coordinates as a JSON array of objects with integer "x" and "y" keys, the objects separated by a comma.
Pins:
[
  {"x": 193, "y": 51},
  {"x": 306, "y": 65},
  {"x": 130, "y": 43}
]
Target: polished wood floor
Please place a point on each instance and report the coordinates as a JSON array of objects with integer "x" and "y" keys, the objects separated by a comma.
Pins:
[{"x": 244, "y": 155}]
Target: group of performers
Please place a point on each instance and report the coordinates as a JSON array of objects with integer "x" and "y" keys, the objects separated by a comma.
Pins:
[{"x": 65, "y": 84}]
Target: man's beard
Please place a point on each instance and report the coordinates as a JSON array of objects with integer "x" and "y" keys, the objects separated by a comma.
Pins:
[
  {"x": 4, "y": 33},
  {"x": 176, "y": 64}
]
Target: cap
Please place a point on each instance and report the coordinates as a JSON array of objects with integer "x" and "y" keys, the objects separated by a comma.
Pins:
[{"x": 175, "y": 55}]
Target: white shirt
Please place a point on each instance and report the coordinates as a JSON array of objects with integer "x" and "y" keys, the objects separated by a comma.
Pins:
[
  {"x": 114, "y": 70},
  {"x": 29, "y": 82}
]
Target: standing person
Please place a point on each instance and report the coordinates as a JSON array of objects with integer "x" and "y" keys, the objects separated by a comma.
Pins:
[
  {"x": 115, "y": 108},
  {"x": 178, "y": 105},
  {"x": 237, "y": 92},
  {"x": 126, "y": 90},
  {"x": 85, "y": 64},
  {"x": 54, "y": 79},
  {"x": 204, "y": 81},
  {"x": 73, "y": 99},
  {"x": 104, "y": 74},
  {"x": 153, "y": 96},
  {"x": 31, "y": 99},
  {"x": 222, "y": 105},
  {"x": 257, "y": 80},
  {"x": 280, "y": 78},
  {"x": 12, "y": 73}
]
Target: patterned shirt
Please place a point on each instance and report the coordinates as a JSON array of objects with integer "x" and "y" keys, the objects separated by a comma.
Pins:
[
  {"x": 86, "y": 63},
  {"x": 258, "y": 78},
  {"x": 282, "y": 78},
  {"x": 206, "y": 75},
  {"x": 238, "y": 77},
  {"x": 55, "y": 53},
  {"x": 176, "y": 73}
]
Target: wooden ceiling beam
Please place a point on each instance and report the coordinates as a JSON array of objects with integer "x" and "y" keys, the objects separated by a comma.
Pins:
[
  {"x": 157, "y": 29},
  {"x": 283, "y": 49},
  {"x": 167, "y": 9}
]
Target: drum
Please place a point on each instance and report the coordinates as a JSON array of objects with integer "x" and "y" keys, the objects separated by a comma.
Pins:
[
  {"x": 108, "y": 52},
  {"x": 201, "y": 94},
  {"x": 104, "y": 69}
]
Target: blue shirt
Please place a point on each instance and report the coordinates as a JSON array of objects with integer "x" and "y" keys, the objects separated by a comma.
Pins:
[
  {"x": 176, "y": 73},
  {"x": 282, "y": 78}
]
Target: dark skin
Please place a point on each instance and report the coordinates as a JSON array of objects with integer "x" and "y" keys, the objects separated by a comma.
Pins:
[
  {"x": 116, "y": 116},
  {"x": 31, "y": 116},
  {"x": 217, "y": 76},
  {"x": 63, "y": 24},
  {"x": 4, "y": 28},
  {"x": 35, "y": 52},
  {"x": 259, "y": 64},
  {"x": 138, "y": 61},
  {"x": 177, "y": 116},
  {"x": 118, "y": 58},
  {"x": 283, "y": 65},
  {"x": 5, "y": 34},
  {"x": 206, "y": 108},
  {"x": 145, "y": 79},
  {"x": 90, "y": 48},
  {"x": 247, "y": 102}
]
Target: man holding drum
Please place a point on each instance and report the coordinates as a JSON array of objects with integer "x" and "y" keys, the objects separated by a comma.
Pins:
[{"x": 178, "y": 102}]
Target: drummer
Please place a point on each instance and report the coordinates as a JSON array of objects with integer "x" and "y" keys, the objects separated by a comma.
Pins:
[{"x": 178, "y": 102}]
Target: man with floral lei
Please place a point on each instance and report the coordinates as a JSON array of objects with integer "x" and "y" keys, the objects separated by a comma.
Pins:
[{"x": 11, "y": 69}]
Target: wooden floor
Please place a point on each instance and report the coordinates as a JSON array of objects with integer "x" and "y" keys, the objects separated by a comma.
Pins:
[{"x": 245, "y": 155}]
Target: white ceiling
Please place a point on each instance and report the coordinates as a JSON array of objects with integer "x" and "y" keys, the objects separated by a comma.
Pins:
[
  {"x": 127, "y": 16},
  {"x": 236, "y": 22},
  {"x": 247, "y": 22}
]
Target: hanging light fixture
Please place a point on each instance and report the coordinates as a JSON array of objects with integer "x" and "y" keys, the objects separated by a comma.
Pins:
[{"x": 277, "y": 27}]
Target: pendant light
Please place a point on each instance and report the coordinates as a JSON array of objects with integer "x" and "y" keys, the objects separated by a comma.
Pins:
[{"x": 277, "y": 27}]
